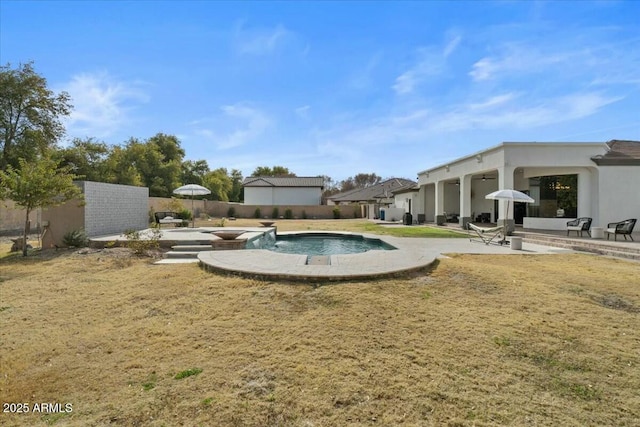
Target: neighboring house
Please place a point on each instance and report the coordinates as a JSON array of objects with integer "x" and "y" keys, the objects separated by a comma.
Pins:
[
  {"x": 566, "y": 180},
  {"x": 283, "y": 191},
  {"x": 406, "y": 199},
  {"x": 372, "y": 198}
]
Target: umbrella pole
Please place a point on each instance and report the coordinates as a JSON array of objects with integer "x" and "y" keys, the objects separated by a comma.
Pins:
[{"x": 193, "y": 215}]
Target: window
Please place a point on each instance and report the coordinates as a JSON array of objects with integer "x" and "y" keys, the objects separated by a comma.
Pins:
[{"x": 555, "y": 196}]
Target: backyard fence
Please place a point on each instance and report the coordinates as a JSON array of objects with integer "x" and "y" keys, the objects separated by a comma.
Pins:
[{"x": 219, "y": 209}]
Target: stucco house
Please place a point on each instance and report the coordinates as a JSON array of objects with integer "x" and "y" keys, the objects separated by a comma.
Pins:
[
  {"x": 281, "y": 191},
  {"x": 566, "y": 180},
  {"x": 373, "y": 198}
]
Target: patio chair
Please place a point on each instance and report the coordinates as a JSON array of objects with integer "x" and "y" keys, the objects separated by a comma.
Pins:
[
  {"x": 624, "y": 228},
  {"x": 579, "y": 225},
  {"x": 485, "y": 234}
]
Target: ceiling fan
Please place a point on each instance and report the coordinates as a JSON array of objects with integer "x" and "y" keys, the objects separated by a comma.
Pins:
[{"x": 484, "y": 178}]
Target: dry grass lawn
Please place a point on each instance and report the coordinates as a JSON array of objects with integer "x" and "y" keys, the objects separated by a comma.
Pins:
[{"x": 518, "y": 340}]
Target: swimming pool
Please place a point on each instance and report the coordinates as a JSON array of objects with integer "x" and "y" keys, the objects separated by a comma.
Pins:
[{"x": 318, "y": 244}]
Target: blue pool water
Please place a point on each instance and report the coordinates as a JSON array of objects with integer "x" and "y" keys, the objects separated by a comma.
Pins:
[{"x": 326, "y": 244}]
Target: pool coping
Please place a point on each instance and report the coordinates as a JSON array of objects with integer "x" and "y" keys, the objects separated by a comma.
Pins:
[{"x": 411, "y": 254}]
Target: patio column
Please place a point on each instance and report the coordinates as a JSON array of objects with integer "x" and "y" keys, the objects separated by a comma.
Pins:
[
  {"x": 584, "y": 194},
  {"x": 505, "y": 182},
  {"x": 465, "y": 200},
  {"x": 439, "y": 211}
]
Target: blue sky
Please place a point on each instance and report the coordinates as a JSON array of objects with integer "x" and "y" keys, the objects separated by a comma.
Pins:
[{"x": 336, "y": 88}]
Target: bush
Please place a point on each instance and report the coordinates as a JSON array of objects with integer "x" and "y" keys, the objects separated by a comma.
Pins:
[
  {"x": 184, "y": 214},
  {"x": 336, "y": 213},
  {"x": 231, "y": 212},
  {"x": 76, "y": 239},
  {"x": 257, "y": 213},
  {"x": 275, "y": 213},
  {"x": 304, "y": 214},
  {"x": 288, "y": 214},
  {"x": 142, "y": 246}
]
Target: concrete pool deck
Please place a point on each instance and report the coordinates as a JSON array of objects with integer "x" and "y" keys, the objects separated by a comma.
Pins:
[{"x": 412, "y": 254}]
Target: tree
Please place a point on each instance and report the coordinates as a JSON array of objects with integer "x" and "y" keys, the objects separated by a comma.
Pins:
[
  {"x": 274, "y": 171},
  {"x": 37, "y": 184},
  {"x": 30, "y": 115},
  {"x": 193, "y": 171},
  {"x": 87, "y": 159},
  {"x": 220, "y": 184},
  {"x": 237, "y": 190},
  {"x": 361, "y": 180},
  {"x": 156, "y": 163}
]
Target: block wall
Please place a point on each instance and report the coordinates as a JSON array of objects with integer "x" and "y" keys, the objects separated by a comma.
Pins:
[{"x": 112, "y": 208}]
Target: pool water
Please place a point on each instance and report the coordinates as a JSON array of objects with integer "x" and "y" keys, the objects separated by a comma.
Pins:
[{"x": 327, "y": 244}]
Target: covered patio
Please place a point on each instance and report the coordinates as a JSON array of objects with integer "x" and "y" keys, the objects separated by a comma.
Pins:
[{"x": 566, "y": 180}]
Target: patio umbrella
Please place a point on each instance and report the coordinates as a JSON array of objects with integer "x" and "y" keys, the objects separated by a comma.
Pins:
[
  {"x": 192, "y": 190},
  {"x": 509, "y": 196}
]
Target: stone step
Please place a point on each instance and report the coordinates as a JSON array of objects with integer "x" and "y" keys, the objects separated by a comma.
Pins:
[
  {"x": 586, "y": 243},
  {"x": 319, "y": 260},
  {"x": 176, "y": 261},
  {"x": 586, "y": 246},
  {"x": 181, "y": 254},
  {"x": 190, "y": 248}
]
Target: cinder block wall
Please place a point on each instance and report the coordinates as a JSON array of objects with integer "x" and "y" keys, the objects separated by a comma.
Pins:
[
  {"x": 112, "y": 208},
  {"x": 106, "y": 209}
]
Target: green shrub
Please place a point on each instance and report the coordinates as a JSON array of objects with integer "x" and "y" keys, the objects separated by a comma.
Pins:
[
  {"x": 336, "y": 213},
  {"x": 257, "y": 213},
  {"x": 184, "y": 214},
  {"x": 76, "y": 239},
  {"x": 141, "y": 246},
  {"x": 275, "y": 213},
  {"x": 231, "y": 212},
  {"x": 288, "y": 214}
]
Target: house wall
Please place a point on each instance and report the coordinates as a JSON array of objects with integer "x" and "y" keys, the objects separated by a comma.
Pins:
[
  {"x": 514, "y": 163},
  {"x": 297, "y": 196},
  {"x": 619, "y": 194},
  {"x": 282, "y": 195}
]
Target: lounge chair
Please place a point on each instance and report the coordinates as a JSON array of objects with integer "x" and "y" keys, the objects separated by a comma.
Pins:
[
  {"x": 167, "y": 218},
  {"x": 624, "y": 228},
  {"x": 579, "y": 225},
  {"x": 486, "y": 234}
]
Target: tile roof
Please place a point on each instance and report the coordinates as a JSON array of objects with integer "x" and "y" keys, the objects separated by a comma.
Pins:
[
  {"x": 620, "y": 153},
  {"x": 382, "y": 190},
  {"x": 283, "y": 181}
]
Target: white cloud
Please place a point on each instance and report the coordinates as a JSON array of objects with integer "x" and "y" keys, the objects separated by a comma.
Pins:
[
  {"x": 101, "y": 104},
  {"x": 431, "y": 63},
  {"x": 451, "y": 46},
  {"x": 260, "y": 41},
  {"x": 303, "y": 112},
  {"x": 239, "y": 124}
]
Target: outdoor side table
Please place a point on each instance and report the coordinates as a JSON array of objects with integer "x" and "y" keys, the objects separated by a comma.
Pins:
[{"x": 597, "y": 232}]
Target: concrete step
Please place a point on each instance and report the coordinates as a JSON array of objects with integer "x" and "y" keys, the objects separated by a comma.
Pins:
[
  {"x": 176, "y": 261},
  {"x": 191, "y": 248},
  {"x": 586, "y": 243},
  {"x": 181, "y": 254},
  {"x": 599, "y": 248}
]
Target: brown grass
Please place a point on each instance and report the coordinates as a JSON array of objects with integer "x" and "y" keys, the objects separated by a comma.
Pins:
[{"x": 522, "y": 340}]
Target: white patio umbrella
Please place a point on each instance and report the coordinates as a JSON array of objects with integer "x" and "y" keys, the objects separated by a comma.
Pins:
[
  {"x": 509, "y": 196},
  {"x": 192, "y": 190}
]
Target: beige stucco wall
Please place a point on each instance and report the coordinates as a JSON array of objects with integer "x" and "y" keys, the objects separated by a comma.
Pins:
[
  {"x": 12, "y": 218},
  {"x": 59, "y": 220},
  {"x": 221, "y": 209}
]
